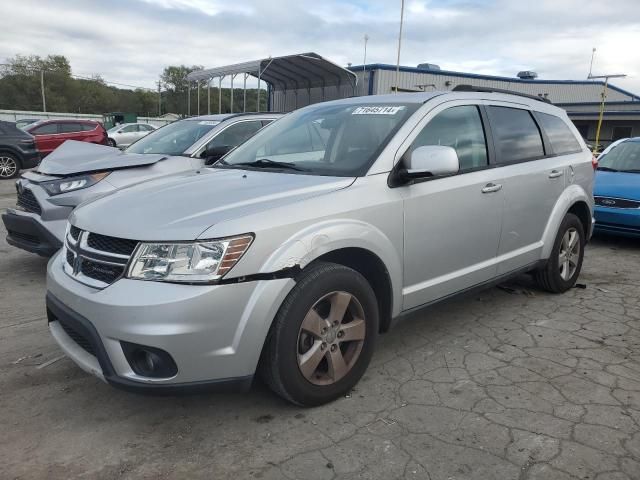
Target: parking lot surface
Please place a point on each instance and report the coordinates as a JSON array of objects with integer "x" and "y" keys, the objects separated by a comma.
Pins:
[{"x": 508, "y": 383}]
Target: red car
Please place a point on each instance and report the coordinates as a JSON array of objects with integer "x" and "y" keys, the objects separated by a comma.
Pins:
[{"x": 50, "y": 134}]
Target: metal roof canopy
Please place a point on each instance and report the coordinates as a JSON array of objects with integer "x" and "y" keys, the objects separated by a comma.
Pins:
[
  {"x": 290, "y": 72},
  {"x": 304, "y": 70}
]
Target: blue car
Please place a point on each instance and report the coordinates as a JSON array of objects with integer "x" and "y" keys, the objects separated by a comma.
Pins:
[{"x": 617, "y": 190}]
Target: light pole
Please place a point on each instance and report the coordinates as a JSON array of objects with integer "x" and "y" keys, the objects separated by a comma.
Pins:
[
  {"x": 604, "y": 99},
  {"x": 44, "y": 100},
  {"x": 399, "y": 45}
]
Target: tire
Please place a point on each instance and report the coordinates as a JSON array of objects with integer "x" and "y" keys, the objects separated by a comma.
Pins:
[
  {"x": 9, "y": 166},
  {"x": 554, "y": 277},
  {"x": 111, "y": 142},
  {"x": 290, "y": 348}
]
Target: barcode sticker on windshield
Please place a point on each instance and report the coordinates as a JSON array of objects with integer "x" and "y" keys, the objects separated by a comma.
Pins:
[{"x": 377, "y": 110}]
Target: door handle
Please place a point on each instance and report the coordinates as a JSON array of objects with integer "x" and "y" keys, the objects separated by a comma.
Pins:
[
  {"x": 556, "y": 173},
  {"x": 491, "y": 187}
]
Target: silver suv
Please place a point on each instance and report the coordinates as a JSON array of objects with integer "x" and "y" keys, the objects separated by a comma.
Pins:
[
  {"x": 293, "y": 252},
  {"x": 77, "y": 171}
]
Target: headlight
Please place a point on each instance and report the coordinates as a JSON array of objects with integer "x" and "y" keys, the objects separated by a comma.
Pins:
[
  {"x": 193, "y": 262},
  {"x": 70, "y": 184}
]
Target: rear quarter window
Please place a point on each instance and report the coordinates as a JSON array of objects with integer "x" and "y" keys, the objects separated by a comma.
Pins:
[
  {"x": 559, "y": 134},
  {"x": 516, "y": 135}
]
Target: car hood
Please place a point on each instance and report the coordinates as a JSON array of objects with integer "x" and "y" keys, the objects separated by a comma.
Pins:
[
  {"x": 73, "y": 157},
  {"x": 617, "y": 184},
  {"x": 182, "y": 207}
]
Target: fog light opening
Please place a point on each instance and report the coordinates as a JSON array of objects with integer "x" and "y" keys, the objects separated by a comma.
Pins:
[{"x": 149, "y": 361}]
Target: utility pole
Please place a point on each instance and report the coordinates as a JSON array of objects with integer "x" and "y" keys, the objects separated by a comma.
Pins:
[
  {"x": 159, "y": 100},
  {"x": 604, "y": 99},
  {"x": 593, "y": 54},
  {"x": 44, "y": 100},
  {"x": 399, "y": 45}
]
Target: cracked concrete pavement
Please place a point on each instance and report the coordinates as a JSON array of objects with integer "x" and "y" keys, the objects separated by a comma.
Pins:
[{"x": 503, "y": 384}]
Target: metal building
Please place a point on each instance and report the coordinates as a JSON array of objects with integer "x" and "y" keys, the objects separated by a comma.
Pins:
[{"x": 581, "y": 98}]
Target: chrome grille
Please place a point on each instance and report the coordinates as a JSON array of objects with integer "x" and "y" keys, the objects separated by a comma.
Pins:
[
  {"x": 612, "y": 202},
  {"x": 96, "y": 260},
  {"x": 27, "y": 200}
]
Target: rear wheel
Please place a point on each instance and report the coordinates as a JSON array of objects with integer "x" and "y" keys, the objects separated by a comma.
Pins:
[
  {"x": 563, "y": 267},
  {"x": 9, "y": 165},
  {"x": 323, "y": 336}
]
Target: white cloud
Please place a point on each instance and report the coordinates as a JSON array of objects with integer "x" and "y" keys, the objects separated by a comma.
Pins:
[{"x": 131, "y": 41}]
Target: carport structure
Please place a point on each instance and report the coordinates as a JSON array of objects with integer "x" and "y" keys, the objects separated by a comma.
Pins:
[{"x": 293, "y": 81}]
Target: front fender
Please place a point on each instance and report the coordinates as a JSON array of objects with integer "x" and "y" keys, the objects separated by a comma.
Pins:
[
  {"x": 316, "y": 240},
  {"x": 571, "y": 195}
]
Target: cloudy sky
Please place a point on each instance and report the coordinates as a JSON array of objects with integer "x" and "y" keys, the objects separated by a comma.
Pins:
[{"x": 130, "y": 41}]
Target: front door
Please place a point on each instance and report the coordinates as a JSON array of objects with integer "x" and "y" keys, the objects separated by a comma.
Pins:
[{"x": 452, "y": 224}]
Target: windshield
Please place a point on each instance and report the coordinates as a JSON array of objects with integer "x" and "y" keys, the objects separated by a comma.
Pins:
[
  {"x": 324, "y": 139},
  {"x": 625, "y": 157},
  {"x": 173, "y": 139}
]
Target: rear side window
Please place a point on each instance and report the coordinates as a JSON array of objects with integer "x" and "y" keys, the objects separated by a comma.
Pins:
[
  {"x": 145, "y": 128},
  {"x": 559, "y": 134},
  {"x": 460, "y": 128},
  {"x": 516, "y": 135},
  {"x": 87, "y": 127},
  {"x": 70, "y": 127}
]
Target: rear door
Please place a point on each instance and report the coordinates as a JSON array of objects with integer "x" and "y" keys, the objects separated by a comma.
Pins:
[
  {"x": 533, "y": 180},
  {"x": 452, "y": 224},
  {"x": 71, "y": 131}
]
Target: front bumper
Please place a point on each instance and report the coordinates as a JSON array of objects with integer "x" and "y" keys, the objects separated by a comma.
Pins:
[
  {"x": 214, "y": 333},
  {"x": 618, "y": 221},
  {"x": 26, "y": 231}
]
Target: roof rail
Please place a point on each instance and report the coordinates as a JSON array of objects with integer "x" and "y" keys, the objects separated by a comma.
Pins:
[{"x": 472, "y": 88}]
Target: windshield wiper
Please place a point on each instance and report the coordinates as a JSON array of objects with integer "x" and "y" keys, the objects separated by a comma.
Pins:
[
  {"x": 608, "y": 169},
  {"x": 266, "y": 163}
]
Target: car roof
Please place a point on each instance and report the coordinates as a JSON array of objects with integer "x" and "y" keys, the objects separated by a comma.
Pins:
[
  {"x": 422, "y": 97},
  {"x": 225, "y": 116},
  {"x": 64, "y": 120}
]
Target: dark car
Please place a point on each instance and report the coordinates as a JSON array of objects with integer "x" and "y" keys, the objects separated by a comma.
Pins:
[
  {"x": 17, "y": 150},
  {"x": 25, "y": 122},
  {"x": 50, "y": 134}
]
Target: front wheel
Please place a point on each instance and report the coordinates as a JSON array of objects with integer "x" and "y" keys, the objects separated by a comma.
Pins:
[
  {"x": 9, "y": 166},
  {"x": 111, "y": 142},
  {"x": 323, "y": 336},
  {"x": 563, "y": 267}
]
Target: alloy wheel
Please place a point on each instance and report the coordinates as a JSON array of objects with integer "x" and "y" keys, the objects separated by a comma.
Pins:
[
  {"x": 8, "y": 167},
  {"x": 569, "y": 255},
  {"x": 331, "y": 338}
]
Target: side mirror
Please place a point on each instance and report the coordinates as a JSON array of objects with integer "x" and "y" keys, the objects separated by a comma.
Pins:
[
  {"x": 432, "y": 160},
  {"x": 213, "y": 154}
]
